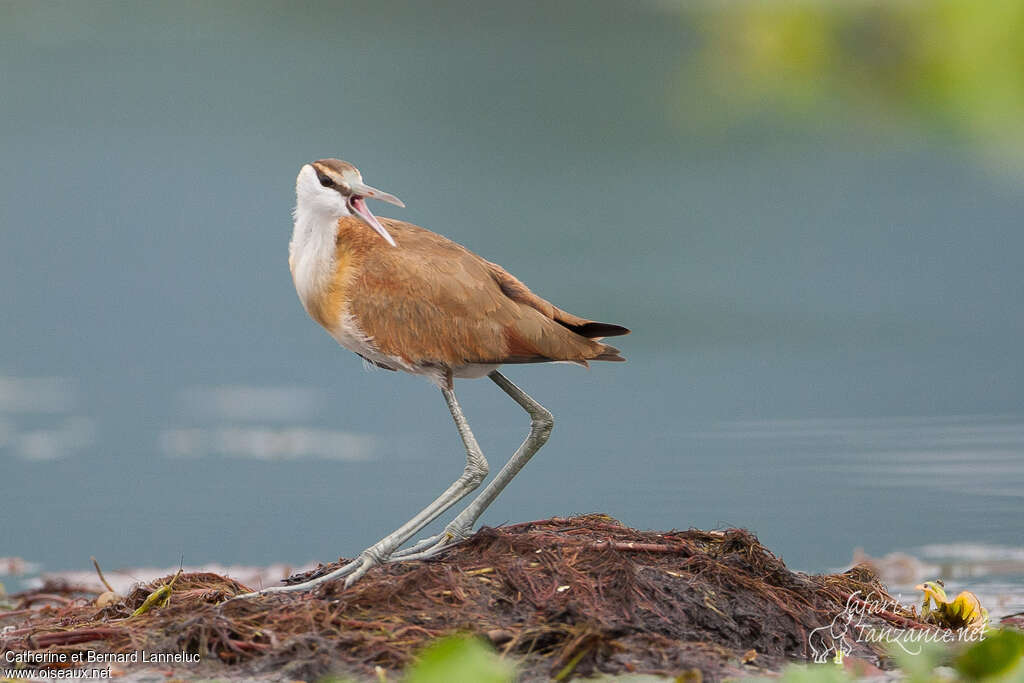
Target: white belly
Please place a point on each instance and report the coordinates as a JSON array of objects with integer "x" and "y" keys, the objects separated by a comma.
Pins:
[
  {"x": 474, "y": 370},
  {"x": 351, "y": 336},
  {"x": 348, "y": 333}
]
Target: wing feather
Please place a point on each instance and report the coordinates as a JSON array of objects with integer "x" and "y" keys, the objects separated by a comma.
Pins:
[{"x": 431, "y": 301}]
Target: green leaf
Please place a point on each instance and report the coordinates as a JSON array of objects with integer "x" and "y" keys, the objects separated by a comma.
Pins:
[
  {"x": 918, "y": 667},
  {"x": 460, "y": 658},
  {"x": 808, "y": 673},
  {"x": 998, "y": 654}
]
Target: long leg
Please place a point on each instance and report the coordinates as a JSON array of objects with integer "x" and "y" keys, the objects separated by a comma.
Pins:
[
  {"x": 472, "y": 475},
  {"x": 541, "y": 423}
]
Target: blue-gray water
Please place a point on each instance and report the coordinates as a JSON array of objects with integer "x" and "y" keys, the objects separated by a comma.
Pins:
[{"x": 827, "y": 324}]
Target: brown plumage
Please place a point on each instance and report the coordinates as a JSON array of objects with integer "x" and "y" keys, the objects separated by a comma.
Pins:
[{"x": 432, "y": 302}]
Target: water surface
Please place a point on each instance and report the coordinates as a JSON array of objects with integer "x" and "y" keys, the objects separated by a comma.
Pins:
[{"x": 826, "y": 317}]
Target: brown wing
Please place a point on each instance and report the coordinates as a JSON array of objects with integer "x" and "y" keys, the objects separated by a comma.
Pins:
[
  {"x": 517, "y": 291},
  {"x": 431, "y": 300}
]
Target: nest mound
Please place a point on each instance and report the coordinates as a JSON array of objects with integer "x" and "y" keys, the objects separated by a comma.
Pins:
[{"x": 579, "y": 595}]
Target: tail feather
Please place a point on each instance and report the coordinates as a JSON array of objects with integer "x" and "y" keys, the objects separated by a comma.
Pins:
[
  {"x": 609, "y": 353},
  {"x": 595, "y": 330}
]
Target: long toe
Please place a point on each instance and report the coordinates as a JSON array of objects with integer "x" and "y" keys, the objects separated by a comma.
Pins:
[
  {"x": 420, "y": 545},
  {"x": 445, "y": 542},
  {"x": 338, "y": 573}
]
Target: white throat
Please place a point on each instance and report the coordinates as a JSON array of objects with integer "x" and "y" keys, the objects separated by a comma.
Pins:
[
  {"x": 311, "y": 253},
  {"x": 314, "y": 234}
]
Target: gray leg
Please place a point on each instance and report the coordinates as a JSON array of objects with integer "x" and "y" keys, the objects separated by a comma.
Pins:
[
  {"x": 472, "y": 475},
  {"x": 541, "y": 423}
]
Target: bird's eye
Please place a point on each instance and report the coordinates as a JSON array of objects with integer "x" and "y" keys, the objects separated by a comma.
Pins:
[{"x": 325, "y": 181}]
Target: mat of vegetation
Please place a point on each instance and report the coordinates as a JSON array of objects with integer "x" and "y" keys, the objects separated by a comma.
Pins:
[{"x": 562, "y": 597}]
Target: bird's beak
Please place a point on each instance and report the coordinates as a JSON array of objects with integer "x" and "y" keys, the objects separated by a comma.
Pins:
[{"x": 357, "y": 200}]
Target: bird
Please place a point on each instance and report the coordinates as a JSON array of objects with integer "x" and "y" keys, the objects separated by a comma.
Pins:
[{"x": 408, "y": 299}]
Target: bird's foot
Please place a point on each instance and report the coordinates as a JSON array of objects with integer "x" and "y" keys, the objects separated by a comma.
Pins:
[
  {"x": 429, "y": 547},
  {"x": 351, "y": 572},
  {"x": 364, "y": 563},
  {"x": 423, "y": 543},
  {"x": 374, "y": 556}
]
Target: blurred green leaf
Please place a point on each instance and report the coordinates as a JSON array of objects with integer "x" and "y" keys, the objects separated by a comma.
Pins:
[
  {"x": 1000, "y": 652},
  {"x": 919, "y": 667},
  {"x": 808, "y": 673},
  {"x": 460, "y": 658},
  {"x": 815, "y": 673},
  {"x": 956, "y": 66},
  {"x": 629, "y": 678}
]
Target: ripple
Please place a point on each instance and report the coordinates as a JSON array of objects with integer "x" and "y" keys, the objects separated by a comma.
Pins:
[{"x": 268, "y": 443}]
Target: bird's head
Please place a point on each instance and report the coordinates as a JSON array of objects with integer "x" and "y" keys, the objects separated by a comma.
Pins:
[{"x": 334, "y": 188}]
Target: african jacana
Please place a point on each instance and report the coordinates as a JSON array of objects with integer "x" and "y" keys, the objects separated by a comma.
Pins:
[{"x": 405, "y": 298}]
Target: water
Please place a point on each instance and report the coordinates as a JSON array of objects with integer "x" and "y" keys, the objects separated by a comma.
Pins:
[{"x": 826, "y": 317}]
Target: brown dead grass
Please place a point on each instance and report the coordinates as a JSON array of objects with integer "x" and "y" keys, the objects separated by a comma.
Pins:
[{"x": 585, "y": 590}]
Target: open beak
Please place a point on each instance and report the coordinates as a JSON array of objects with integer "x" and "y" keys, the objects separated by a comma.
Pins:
[{"x": 357, "y": 202}]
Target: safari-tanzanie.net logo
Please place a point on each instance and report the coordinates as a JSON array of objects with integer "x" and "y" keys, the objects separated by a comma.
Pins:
[{"x": 854, "y": 625}]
